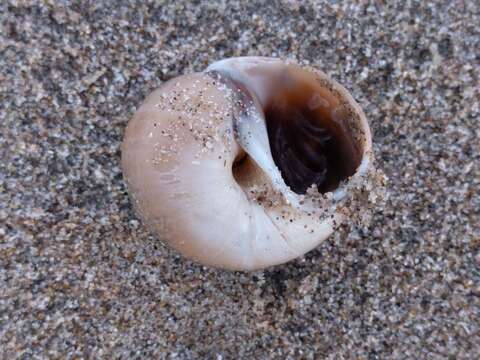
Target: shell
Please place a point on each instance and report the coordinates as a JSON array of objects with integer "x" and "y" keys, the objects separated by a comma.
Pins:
[{"x": 200, "y": 169}]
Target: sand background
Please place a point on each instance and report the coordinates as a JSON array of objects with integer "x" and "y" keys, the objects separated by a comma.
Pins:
[{"x": 80, "y": 277}]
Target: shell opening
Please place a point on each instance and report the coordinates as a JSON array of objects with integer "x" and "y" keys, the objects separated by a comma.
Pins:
[
  {"x": 298, "y": 127},
  {"x": 310, "y": 140}
]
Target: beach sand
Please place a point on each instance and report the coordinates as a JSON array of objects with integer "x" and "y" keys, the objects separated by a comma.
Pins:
[{"x": 81, "y": 277}]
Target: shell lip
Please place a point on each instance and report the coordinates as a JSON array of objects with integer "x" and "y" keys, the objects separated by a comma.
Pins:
[{"x": 342, "y": 190}]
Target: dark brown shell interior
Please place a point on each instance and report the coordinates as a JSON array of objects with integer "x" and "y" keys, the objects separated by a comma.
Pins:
[{"x": 310, "y": 139}]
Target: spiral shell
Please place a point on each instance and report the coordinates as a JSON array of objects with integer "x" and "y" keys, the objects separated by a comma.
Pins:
[{"x": 241, "y": 166}]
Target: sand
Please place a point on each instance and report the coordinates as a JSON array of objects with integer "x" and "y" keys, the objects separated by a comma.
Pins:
[{"x": 81, "y": 277}]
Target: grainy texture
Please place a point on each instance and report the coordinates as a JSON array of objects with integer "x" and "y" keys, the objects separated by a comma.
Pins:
[{"x": 81, "y": 278}]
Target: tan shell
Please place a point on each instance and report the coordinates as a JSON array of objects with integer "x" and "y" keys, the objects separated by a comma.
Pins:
[{"x": 177, "y": 160}]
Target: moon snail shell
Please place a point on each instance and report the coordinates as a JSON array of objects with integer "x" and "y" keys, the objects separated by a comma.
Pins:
[{"x": 244, "y": 165}]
